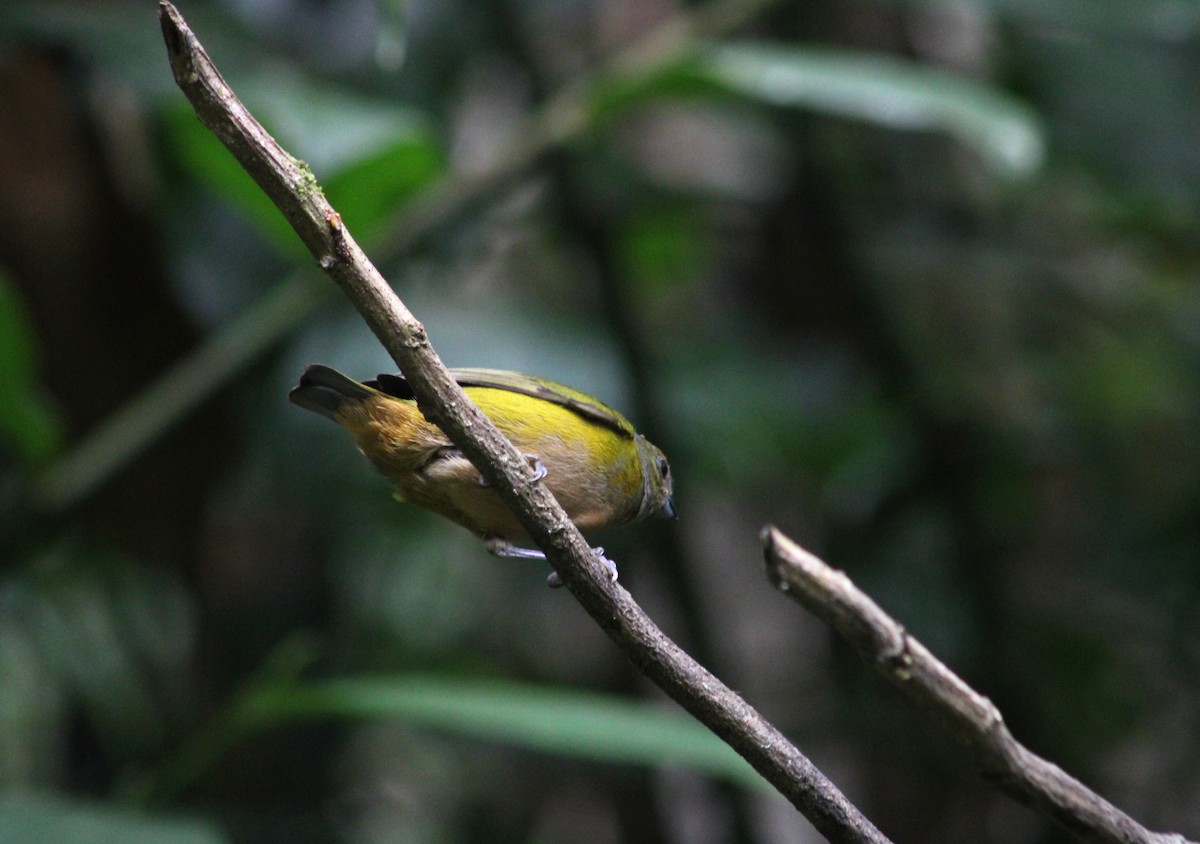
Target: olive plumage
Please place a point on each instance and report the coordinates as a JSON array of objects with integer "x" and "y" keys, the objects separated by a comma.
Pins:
[{"x": 600, "y": 469}]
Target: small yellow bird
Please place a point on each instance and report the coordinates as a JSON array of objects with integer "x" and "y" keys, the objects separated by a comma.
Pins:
[{"x": 600, "y": 469}]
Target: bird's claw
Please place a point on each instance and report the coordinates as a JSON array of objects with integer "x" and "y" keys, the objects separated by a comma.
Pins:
[
  {"x": 555, "y": 582},
  {"x": 535, "y": 463},
  {"x": 539, "y": 469}
]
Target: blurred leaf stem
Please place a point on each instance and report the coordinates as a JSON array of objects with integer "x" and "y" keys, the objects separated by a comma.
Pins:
[
  {"x": 242, "y": 716},
  {"x": 139, "y": 422}
]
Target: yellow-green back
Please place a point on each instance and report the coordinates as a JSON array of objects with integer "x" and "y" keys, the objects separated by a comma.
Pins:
[{"x": 600, "y": 470}]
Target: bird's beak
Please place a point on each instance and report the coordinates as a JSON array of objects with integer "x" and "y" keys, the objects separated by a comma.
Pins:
[{"x": 668, "y": 509}]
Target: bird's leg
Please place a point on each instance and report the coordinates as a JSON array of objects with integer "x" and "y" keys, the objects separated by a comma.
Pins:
[
  {"x": 535, "y": 462},
  {"x": 503, "y": 548}
]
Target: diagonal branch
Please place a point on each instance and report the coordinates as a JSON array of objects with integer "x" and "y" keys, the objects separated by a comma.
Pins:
[
  {"x": 292, "y": 187},
  {"x": 972, "y": 718}
]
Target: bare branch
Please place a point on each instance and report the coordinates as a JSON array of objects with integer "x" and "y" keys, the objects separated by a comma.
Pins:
[
  {"x": 1044, "y": 787},
  {"x": 293, "y": 188}
]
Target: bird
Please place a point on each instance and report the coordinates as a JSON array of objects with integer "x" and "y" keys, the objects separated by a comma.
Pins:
[{"x": 598, "y": 467}]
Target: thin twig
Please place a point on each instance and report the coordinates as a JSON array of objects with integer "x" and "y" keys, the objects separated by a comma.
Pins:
[
  {"x": 292, "y": 187},
  {"x": 1044, "y": 787}
]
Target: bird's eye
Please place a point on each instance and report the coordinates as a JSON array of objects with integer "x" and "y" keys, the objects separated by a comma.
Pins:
[{"x": 663, "y": 468}]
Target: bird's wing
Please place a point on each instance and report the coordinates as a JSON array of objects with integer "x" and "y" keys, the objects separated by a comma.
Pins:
[{"x": 517, "y": 382}]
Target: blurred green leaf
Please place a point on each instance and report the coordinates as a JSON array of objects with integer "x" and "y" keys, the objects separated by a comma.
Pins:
[
  {"x": 571, "y": 723},
  {"x": 25, "y": 417},
  {"x": 112, "y": 633},
  {"x": 371, "y": 155},
  {"x": 665, "y": 247},
  {"x": 330, "y": 127},
  {"x": 615, "y": 95},
  {"x": 888, "y": 91},
  {"x": 204, "y": 157},
  {"x": 367, "y": 190},
  {"x": 46, "y": 818},
  {"x": 31, "y": 709}
]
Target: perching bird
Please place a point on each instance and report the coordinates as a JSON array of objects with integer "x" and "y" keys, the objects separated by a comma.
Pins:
[{"x": 600, "y": 469}]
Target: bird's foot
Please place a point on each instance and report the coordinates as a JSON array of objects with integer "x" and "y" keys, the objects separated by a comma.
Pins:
[
  {"x": 535, "y": 463},
  {"x": 555, "y": 582},
  {"x": 503, "y": 548}
]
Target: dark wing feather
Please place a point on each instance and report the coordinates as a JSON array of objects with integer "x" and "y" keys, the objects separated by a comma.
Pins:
[{"x": 516, "y": 382}]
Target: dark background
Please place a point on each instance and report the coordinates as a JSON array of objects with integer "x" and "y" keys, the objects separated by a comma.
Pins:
[{"x": 937, "y": 317}]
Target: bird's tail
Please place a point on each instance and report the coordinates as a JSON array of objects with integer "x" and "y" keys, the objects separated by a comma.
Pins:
[{"x": 323, "y": 390}]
